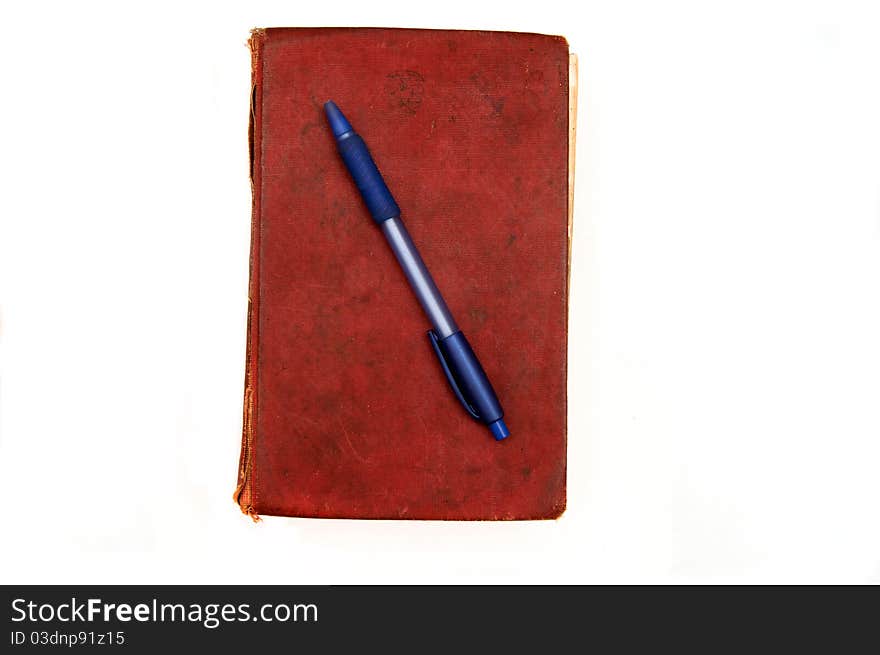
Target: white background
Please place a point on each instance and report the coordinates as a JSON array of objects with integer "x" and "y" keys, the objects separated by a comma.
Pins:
[{"x": 725, "y": 300}]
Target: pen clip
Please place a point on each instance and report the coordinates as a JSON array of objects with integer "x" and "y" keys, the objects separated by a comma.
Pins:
[{"x": 435, "y": 343}]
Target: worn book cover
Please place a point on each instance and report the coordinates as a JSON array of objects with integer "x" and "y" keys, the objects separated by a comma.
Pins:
[{"x": 347, "y": 411}]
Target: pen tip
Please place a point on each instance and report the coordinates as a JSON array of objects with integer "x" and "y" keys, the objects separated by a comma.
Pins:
[{"x": 338, "y": 123}]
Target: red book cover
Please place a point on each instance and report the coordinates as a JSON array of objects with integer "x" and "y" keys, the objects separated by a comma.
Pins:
[{"x": 347, "y": 411}]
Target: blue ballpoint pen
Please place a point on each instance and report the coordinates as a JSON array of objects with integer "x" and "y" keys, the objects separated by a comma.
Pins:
[{"x": 459, "y": 363}]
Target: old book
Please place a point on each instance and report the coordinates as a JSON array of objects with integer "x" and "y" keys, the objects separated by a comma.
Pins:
[{"x": 347, "y": 412}]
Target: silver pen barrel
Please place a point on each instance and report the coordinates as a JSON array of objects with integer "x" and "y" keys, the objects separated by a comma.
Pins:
[{"x": 419, "y": 278}]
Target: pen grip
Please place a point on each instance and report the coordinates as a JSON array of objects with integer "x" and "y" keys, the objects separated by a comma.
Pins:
[{"x": 366, "y": 176}]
